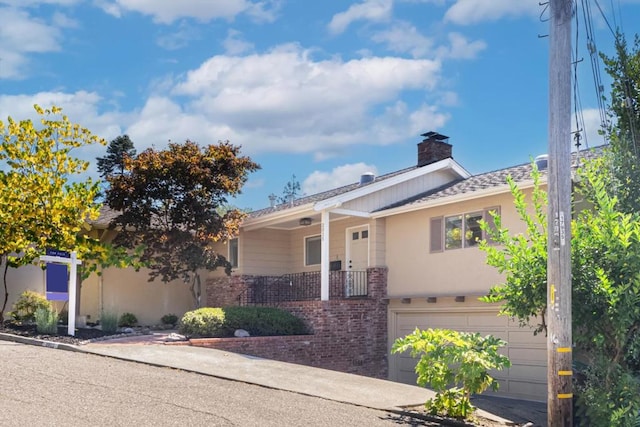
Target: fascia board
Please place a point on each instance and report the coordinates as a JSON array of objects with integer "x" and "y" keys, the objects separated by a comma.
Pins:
[
  {"x": 454, "y": 199},
  {"x": 254, "y": 223},
  {"x": 337, "y": 201}
]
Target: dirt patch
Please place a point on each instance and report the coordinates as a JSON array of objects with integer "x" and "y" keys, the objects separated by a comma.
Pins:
[{"x": 513, "y": 412}]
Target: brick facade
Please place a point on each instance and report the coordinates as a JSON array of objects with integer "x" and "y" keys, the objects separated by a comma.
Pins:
[{"x": 349, "y": 335}]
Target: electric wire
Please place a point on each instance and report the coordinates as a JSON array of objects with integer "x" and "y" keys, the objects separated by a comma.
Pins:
[
  {"x": 577, "y": 107},
  {"x": 595, "y": 66}
]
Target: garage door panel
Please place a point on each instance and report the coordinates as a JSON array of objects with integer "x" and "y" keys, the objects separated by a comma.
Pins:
[
  {"x": 527, "y": 372},
  {"x": 528, "y": 355},
  {"x": 524, "y": 336},
  {"x": 525, "y": 379},
  {"x": 533, "y": 390}
]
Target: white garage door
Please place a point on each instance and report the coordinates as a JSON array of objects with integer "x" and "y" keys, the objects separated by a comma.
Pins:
[{"x": 526, "y": 379}]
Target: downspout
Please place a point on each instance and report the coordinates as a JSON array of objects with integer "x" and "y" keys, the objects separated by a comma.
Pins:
[{"x": 324, "y": 256}]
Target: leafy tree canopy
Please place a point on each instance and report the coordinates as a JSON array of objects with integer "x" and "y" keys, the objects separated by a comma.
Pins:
[
  {"x": 169, "y": 203},
  {"x": 605, "y": 261},
  {"x": 624, "y": 112},
  {"x": 43, "y": 202}
]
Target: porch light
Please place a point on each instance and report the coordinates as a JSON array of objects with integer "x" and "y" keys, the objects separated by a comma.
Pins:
[{"x": 305, "y": 221}]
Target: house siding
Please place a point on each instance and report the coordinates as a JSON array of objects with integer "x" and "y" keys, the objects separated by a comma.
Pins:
[
  {"x": 264, "y": 251},
  {"x": 413, "y": 270},
  {"x": 399, "y": 192}
]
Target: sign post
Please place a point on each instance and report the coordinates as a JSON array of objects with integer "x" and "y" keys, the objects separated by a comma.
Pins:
[{"x": 73, "y": 262}]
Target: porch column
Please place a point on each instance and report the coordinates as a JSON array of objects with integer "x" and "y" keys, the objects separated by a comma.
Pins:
[{"x": 324, "y": 257}]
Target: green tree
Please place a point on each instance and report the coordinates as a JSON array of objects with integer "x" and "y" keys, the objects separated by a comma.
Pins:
[
  {"x": 605, "y": 257},
  {"x": 117, "y": 150},
  {"x": 43, "y": 201},
  {"x": 624, "y": 113},
  {"x": 169, "y": 203},
  {"x": 291, "y": 191}
]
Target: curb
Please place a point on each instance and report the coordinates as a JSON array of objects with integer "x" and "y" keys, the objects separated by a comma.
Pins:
[{"x": 40, "y": 343}]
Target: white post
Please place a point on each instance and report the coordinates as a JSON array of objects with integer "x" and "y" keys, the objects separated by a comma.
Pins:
[
  {"x": 324, "y": 257},
  {"x": 73, "y": 268},
  {"x": 73, "y": 262}
]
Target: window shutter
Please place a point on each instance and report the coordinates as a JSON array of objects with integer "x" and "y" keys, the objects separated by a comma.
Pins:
[{"x": 436, "y": 240}]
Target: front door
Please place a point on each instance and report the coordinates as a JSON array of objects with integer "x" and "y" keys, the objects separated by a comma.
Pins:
[{"x": 357, "y": 260}]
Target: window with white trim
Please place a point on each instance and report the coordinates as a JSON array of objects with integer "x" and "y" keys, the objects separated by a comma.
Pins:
[
  {"x": 233, "y": 252},
  {"x": 312, "y": 247},
  {"x": 460, "y": 231}
]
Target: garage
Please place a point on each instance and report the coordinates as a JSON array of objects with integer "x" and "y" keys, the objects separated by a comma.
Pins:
[{"x": 526, "y": 379}]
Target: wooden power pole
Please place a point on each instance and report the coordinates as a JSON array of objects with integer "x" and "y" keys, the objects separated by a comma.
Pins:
[{"x": 559, "y": 341}]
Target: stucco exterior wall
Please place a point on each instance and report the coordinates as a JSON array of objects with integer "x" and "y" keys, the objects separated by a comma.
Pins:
[
  {"x": 414, "y": 271},
  {"x": 125, "y": 290}
]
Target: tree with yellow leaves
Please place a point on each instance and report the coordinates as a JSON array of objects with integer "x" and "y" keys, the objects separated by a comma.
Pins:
[{"x": 44, "y": 202}]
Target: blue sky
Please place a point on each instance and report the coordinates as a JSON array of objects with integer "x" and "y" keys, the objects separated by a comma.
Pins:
[{"x": 323, "y": 90}]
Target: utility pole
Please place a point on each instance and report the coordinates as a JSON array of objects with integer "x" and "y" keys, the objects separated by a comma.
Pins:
[{"x": 559, "y": 340}]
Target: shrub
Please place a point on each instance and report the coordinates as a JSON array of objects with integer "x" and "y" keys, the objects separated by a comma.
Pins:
[
  {"x": 46, "y": 321},
  {"x": 109, "y": 321},
  {"x": 203, "y": 322},
  {"x": 63, "y": 317},
  {"x": 169, "y": 319},
  {"x": 262, "y": 321},
  {"x": 127, "y": 319},
  {"x": 25, "y": 307},
  {"x": 451, "y": 358}
]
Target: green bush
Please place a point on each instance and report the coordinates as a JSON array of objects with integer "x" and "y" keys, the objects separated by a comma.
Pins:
[
  {"x": 127, "y": 320},
  {"x": 223, "y": 322},
  {"x": 203, "y": 322},
  {"x": 109, "y": 321},
  {"x": 63, "y": 317},
  {"x": 25, "y": 307},
  {"x": 46, "y": 321},
  {"x": 262, "y": 321},
  {"x": 169, "y": 319},
  {"x": 455, "y": 365}
]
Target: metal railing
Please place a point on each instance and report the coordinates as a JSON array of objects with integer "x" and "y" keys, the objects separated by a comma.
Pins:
[{"x": 273, "y": 290}]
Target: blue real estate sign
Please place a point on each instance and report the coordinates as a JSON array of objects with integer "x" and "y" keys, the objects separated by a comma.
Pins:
[{"x": 57, "y": 277}]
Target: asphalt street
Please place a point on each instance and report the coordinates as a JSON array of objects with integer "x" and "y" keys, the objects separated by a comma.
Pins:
[{"x": 48, "y": 387}]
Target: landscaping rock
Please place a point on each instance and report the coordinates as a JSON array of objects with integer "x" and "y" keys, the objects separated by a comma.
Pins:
[
  {"x": 241, "y": 333},
  {"x": 173, "y": 337}
]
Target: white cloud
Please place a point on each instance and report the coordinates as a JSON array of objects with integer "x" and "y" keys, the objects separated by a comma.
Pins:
[
  {"x": 283, "y": 100},
  {"x": 465, "y": 12},
  {"x": 403, "y": 37},
  {"x": 81, "y": 107},
  {"x": 319, "y": 181},
  {"x": 178, "y": 39},
  {"x": 29, "y": 3},
  {"x": 368, "y": 10},
  {"x": 279, "y": 101},
  {"x": 461, "y": 48},
  {"x": 234, "y": 44},
  {"x": 427, "y": 117},
  {"x": 168, "y": 11},
  {"x": 592, "y": 126},
  {"x": 20, "y": 35},
  {"x": 63, "y": 21}
]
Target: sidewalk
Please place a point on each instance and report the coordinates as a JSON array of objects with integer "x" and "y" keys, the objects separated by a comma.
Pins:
[{"x": 332, "y": 385}]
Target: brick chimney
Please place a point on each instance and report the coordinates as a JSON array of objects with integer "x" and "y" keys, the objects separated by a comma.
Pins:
[{"x": 433, "y": 148}]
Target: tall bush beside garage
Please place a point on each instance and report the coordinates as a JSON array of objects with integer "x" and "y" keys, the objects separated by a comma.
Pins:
[{"x": 455, "y": 364}]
